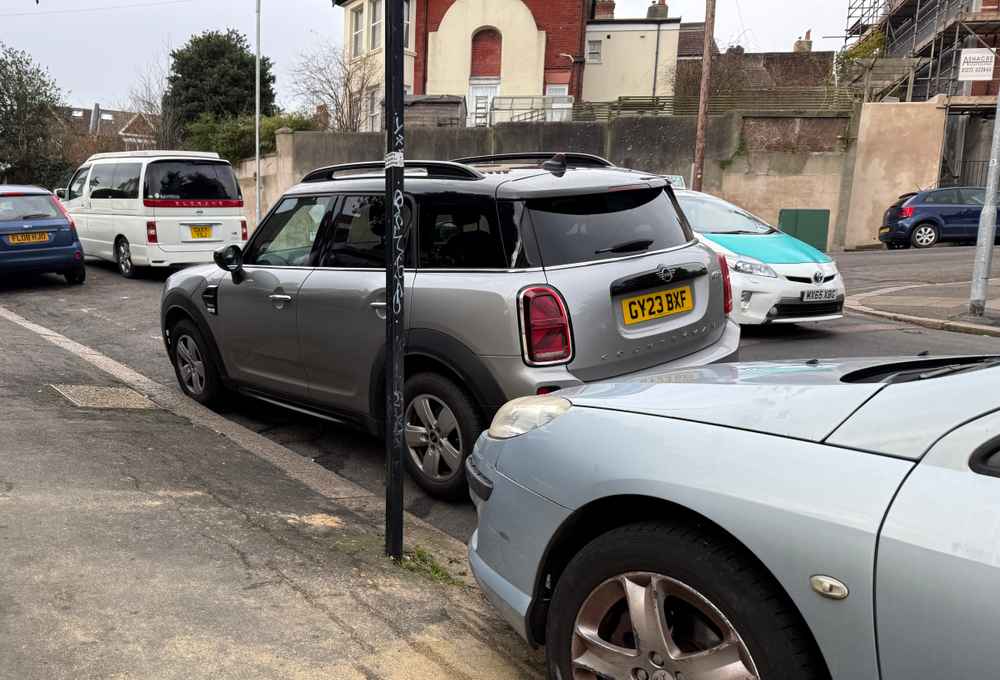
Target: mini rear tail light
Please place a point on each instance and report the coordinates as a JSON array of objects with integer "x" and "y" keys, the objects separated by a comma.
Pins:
[
  {"x": 547, "y": 337},
  {"x": 727, "y": 285},
  {"x": 245, "y": 233},
  {"x": 906, "y": 212},
  {"x": 65, "y": 213},
  {"x": 151, "y": 235}
]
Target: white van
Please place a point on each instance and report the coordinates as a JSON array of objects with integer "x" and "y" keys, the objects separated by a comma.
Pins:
[{"x": 155, "y": 208}]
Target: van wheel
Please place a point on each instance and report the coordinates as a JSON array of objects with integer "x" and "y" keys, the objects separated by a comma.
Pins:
[
  {"x": 442, "y": 426},
  {"x": 196, "y": 372},
  {"x": 656, "y": 600},
  {"x": 123, "y": 256}
]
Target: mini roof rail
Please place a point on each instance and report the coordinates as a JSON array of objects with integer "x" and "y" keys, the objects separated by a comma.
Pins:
[
  {"x": 573, "y": 159},
  {"x": 435, "y": 170}
]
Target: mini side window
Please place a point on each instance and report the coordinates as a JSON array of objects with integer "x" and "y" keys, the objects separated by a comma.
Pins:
[
  {"x": 287, "y": 238},
  {"x": 460, "y": 234}
]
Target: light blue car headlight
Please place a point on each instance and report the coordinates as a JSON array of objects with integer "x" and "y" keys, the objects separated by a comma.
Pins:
[
  {"x": 526, "y": 414},
  {"x": 746, "y": 265}
]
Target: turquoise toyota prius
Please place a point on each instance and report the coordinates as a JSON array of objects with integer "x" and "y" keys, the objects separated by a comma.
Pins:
[{"x": 776, "y": 278}]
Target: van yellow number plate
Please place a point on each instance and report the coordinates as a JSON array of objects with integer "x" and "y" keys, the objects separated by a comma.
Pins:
[
  {"x": 657, "y": 305},
  {"x": 201, "y": 232}
]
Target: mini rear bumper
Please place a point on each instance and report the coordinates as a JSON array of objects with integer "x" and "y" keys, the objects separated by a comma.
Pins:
[{"x": 43, "y": 260}]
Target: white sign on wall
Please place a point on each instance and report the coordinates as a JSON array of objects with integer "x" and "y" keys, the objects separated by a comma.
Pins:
[{"x": 977, "y": 64}]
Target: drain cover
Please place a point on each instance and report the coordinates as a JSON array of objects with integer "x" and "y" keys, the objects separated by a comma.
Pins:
[{"x": 94, "y": 396}]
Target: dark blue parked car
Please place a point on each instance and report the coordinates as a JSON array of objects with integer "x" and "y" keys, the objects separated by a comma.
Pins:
[
  {"x": 927, "y": 218},
  {"x": 37, "y": 235}
]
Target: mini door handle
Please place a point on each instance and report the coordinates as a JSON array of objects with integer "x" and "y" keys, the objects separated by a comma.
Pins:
[
  {"x": 379, "y": 305},
  {"x": 280, "y": 298}
]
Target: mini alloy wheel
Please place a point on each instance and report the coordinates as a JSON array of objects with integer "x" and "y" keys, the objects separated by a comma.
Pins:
[
  {"x": 647, "y": 626},
  {"x": 434, "y": 438},
  {"x": 191, "y": 365}
]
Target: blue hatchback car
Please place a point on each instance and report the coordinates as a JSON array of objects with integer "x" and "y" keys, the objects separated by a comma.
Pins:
[
  {"x": 38, "y": 235},
  {"x": 926, "y": 218}
]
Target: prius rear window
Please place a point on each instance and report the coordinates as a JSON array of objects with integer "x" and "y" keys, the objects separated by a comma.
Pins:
[{"x": 191, "y": 181}]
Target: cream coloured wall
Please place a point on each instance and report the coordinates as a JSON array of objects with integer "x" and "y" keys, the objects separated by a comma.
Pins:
[
  {"x": 409, "y": 62},
  {"x": 628, "y": 61},
  {"x": 449, "y": 53}
]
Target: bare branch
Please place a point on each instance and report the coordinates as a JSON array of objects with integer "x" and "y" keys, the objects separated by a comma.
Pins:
[
  {"x": 147, "y": 97},
  {"x": 326, "y": 77}
]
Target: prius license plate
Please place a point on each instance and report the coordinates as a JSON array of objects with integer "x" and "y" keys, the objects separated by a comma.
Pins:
[
  {"x": 657, "y": 305},
  {"x": 819, "y": 295},
  {"x": 201, "y": 232},
  {"x": 25, "y": 239}
]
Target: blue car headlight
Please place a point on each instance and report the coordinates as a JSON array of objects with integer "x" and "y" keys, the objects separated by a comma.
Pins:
[
  {"x": 746, "y": 265},
  {"x": 526, "y": 414}
]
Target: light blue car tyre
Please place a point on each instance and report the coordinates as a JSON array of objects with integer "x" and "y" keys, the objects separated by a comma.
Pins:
[
  {"x": 658, "y": 600},
  {"x": 197, "y": 374}
]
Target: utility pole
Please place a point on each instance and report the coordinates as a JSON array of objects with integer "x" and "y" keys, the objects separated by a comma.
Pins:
[
  {"x": 706, "y": 89},
  {"x": 395, "y": 256},
  {"x": 987, "y": 228},
  {"x": 257, "y": 120}
]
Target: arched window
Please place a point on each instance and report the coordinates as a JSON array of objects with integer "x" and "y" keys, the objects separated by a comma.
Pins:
[{"x": 487, "y": 50}]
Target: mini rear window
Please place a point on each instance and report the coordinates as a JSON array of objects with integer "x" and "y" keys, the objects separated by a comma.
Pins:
[
  {"x": 27, "y": 208},
  {"x": 575, "y": 229},
  {"x": 191, "y": 181}
]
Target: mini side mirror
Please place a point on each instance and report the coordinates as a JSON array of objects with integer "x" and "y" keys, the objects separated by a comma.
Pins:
[
  {"x": 230, "y": 259},
  {"x": 61, "y": 193}
]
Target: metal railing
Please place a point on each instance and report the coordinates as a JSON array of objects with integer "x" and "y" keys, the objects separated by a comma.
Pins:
[{"x": 790, "y": 99}]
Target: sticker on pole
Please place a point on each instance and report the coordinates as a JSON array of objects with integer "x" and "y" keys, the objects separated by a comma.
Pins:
[
  {"x": 976, "y": 64},
  {"x": 395, "y": 160}
]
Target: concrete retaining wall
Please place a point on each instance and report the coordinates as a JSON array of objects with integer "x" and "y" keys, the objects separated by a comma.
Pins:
[{"x": 763, "y": 163}]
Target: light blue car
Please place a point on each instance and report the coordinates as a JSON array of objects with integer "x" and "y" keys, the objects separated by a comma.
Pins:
[
  {"x": 776, "y": 278},
  {"x": 783, "y": 521}
]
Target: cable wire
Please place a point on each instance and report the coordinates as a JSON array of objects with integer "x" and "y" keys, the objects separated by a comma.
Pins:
[{"x": 95, "y": 9}]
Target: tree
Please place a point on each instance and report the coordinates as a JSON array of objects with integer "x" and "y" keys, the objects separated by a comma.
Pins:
[
  {"x": 214, "y": 73},
  {"x": 30, "y": 152},
  {"x": 148, "y": 97},
  {"x": 233, "y": 138},
  {"x": 327, "y": 78}
]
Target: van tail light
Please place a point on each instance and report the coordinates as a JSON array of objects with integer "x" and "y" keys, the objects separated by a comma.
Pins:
[
  {"x": 906, "y": 212},
  {"x": 244, "y": 232},
  {"x": 65, "y": 213},
  {"x": 727, "y": 285},
  {"x": 547, "y": 336},
  {"x": 151, "y": 235}
]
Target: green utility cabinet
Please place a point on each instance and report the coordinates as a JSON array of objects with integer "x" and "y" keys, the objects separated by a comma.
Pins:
[{"x": 811, "y": 226}]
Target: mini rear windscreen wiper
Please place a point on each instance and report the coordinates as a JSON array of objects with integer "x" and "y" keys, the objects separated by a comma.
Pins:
[{"x": 627, "y": 247}]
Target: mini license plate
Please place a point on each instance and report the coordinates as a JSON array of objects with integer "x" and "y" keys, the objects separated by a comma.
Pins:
[
  {"x": 32, "y": 237},
  {"x": 657, "y": 305},
  {"x": 201, "y": 232},
  {"x": 819, "y": 295}
]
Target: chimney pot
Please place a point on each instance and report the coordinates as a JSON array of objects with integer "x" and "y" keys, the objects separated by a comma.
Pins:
[
  {"x": 605, "y": 9},
  {"x": 658, "y": 10}
]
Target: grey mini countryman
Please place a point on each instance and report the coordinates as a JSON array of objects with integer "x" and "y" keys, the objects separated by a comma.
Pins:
[{"x": 527, "y": 273}]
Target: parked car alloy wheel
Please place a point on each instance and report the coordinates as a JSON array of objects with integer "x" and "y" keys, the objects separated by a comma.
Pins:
[
  {"x": 123, "y": 256},
  {"x": 441, "y": 428},
  {"x": 924, "y": 235},
  {"x": 196, "y": 372},
  {"x": 638, "y": 603}
]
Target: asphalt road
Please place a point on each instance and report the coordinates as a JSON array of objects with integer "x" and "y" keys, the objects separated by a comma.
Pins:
[{"x": 121, "y": 319}]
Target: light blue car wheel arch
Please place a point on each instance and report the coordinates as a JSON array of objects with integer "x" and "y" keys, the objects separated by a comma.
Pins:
[{"x": 802, "y": 508}]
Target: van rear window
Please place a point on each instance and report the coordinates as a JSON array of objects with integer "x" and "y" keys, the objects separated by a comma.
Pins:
[
  {"x": 575, "y": 229},
  {"x": 191, "y": 181}
]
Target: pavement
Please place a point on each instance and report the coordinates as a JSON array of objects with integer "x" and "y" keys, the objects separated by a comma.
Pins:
[{"x": 142, "y": 536}]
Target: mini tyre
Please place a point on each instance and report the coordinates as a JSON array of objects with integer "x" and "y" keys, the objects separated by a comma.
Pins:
[
  {"x": 655, "y": 600},
  {"x": 442, "y": 426},
  {"x": 197, "y": 374},
  {"x": 924, "y": 236},
  {"x": 76, "y": 277},
  {"x": 123, "y": 258}
]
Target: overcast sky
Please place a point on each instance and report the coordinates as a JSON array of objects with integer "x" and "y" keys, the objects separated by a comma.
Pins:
[{"x": 96, "y": 48}]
